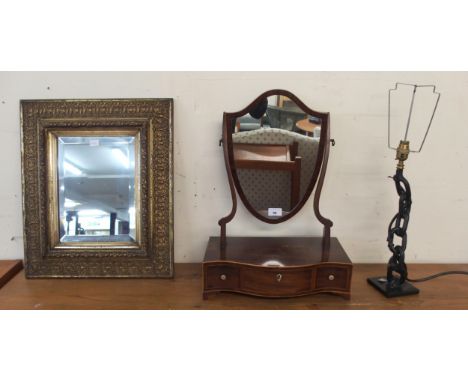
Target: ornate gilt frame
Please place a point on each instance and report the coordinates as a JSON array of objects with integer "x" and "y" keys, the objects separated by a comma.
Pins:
[{"x": 148, "y": 119}]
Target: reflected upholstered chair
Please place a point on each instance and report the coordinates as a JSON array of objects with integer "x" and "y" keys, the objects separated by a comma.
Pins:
[{"x": 266, "y": 188}]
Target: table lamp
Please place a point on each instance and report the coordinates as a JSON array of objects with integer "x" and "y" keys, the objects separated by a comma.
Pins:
[{"x": 396, "y": 282}]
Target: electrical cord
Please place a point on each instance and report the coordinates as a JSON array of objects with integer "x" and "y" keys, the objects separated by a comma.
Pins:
[{"x": 427, "y": 278}]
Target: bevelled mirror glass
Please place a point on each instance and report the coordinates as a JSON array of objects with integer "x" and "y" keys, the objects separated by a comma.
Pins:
[
  {"x": 96, "y": 186},
  {"x": 275, "y": 145}
]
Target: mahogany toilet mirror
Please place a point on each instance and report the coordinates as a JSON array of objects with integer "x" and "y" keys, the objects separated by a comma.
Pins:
[{"x": 276, "y": 152}]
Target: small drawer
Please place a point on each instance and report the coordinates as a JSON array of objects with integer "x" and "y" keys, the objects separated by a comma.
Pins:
[
  {"x": 223, "y": 277},
  {"x": 275, "y": 282},
  {"x": 332, "y": 277}
]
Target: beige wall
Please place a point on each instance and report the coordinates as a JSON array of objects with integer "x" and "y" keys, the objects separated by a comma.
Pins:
[{"x": 358, "y": 196}]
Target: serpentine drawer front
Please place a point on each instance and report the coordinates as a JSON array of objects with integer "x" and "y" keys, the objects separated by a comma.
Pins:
[
  {"x": 276, "y": 267},
  {"x": 276, "y": 281}
]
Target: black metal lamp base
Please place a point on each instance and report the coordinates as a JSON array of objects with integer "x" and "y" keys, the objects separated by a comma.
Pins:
[{"x": 380, "y": 283}]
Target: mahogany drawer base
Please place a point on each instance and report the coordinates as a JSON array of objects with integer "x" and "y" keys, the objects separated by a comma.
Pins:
[{"x": 288, "y": 267}]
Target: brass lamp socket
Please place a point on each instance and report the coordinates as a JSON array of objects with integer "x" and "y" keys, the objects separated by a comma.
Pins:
[{"x": 402, "y": 153}]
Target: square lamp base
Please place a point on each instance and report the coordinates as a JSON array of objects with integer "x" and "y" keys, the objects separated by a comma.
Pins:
[{"x": 380, "y": 283}]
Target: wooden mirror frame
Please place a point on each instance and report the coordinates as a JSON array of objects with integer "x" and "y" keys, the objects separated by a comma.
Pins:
[
  {"x": 148, "y": 119},
  {"x": 317, "y": 177}
]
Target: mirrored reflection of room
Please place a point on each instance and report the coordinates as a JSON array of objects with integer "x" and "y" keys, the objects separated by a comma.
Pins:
[
  {"x": 275, "y": 148},
  {"x": 97, "y": 199}
]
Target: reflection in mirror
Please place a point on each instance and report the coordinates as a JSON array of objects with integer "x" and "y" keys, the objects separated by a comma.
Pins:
[
  {"x": 96, "y": 180},
  {"x": 275, "y": 148}
]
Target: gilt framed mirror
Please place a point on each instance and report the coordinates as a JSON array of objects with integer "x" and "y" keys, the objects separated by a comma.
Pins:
[{"x": 97, "y": 187}]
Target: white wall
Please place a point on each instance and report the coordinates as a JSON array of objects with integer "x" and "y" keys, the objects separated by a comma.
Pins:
[{"x": 357, "y": 196}]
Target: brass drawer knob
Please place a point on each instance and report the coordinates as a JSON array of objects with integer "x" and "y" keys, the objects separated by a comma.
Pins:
[
  {"x": 331, "y": 277},
  {"x": 279, "y": 276},
  {"x": 223, "y": 277}
]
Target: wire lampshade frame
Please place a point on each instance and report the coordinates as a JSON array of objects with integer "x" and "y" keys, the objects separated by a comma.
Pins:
[{"x": 408, "y": 123}]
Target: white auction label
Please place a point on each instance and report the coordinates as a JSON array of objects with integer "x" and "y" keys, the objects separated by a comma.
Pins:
[{"x": 275, "y": 212}]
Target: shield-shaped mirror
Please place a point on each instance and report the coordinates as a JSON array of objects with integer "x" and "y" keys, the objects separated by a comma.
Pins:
[{"x": 275, "y": 150}]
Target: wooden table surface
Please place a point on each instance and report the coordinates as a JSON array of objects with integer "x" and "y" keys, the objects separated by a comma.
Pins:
[
  {"x": 185, "y": 292},
  {"x": 261, "y": 152},
  {"x": 306, "y": 125},
  {"x": 8, "y": 270}
]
